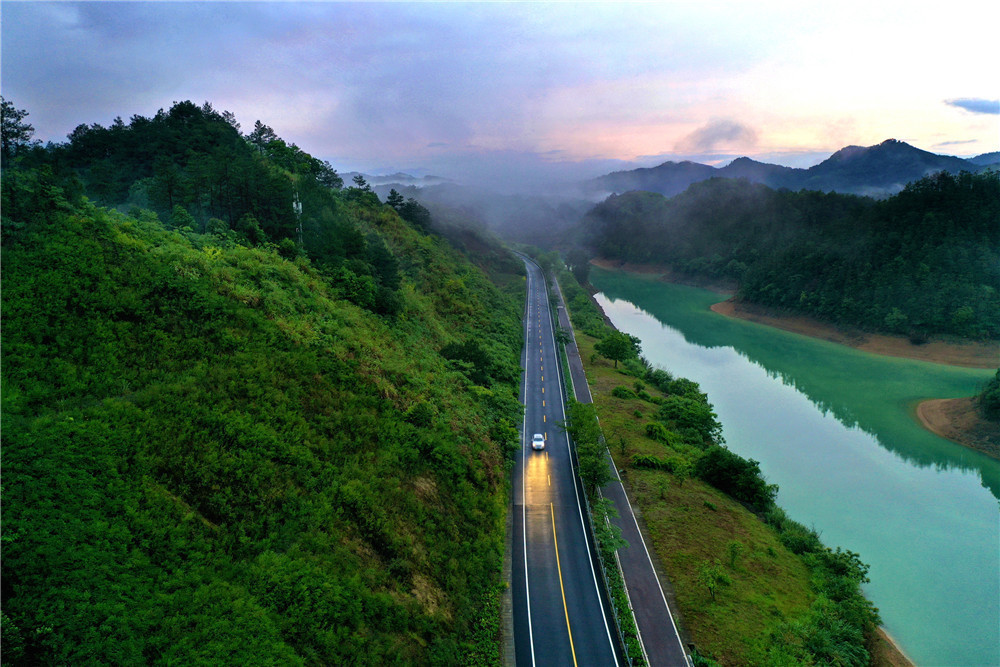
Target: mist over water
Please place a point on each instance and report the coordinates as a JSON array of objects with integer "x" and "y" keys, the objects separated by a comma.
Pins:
[{"x": 833, "y": 427}]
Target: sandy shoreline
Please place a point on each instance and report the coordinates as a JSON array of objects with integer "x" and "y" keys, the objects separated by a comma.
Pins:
[
  {"x": 885, "y": 652},
  {"x": 958, "y": 420},
  {"x": 969, "y": 355}
]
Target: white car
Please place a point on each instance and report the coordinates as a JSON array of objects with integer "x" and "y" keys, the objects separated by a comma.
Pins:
[{"x": 538, "y": 441}]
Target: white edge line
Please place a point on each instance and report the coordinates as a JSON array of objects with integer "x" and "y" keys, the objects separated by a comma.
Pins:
[
  {"x": 579, "y": 507},
  {"x": 524, "y": 442},
  {"x": 650, "y": 559}
]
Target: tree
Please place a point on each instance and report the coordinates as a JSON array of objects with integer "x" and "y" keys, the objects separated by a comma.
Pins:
[
  {"x": 261, "y": 136},
  {"x": 180, "y": 218},
  {"x": 395, "y": 199},
  {"x": 327, "y": 175},
  {"x": 16, "y": 133},
  {"x": 361, "y": 184},
  {"x": 609, "y": 536},
  {"x": 687, "y": 413},
  {"x": 415, "y": 214},
  {"x": 739, "y": 477},
  {"x": 734, "y": 549},
  {"x": 618, "y": 346},
  {"x": 989, "y": 398},
  {"x": 711, "y": 576},
  {"x": 594, "y": 469}
]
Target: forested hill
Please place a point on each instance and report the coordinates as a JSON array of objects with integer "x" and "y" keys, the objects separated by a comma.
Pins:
[
  {"x": 224, "y": 446},
  {"x": 925, "y": 261}
]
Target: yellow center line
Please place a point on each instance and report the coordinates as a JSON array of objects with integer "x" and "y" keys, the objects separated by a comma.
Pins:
[
  {"x": 543, "y": 404},
  {"x": 563, "y": 590},
  {"x": 543, "y": 418}
]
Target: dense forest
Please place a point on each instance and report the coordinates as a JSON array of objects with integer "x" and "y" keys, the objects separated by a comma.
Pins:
[
  {"x": 923, "y": 262},
  {"x": 250, "y": 416}
]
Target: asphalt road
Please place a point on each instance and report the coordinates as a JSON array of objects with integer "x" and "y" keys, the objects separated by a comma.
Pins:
[
  {"x": 558, "y": 608},
  {"x": 657, "y": 630}
]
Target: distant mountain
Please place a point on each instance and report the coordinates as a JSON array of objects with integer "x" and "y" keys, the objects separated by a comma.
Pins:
[
  {"x": 878, "y": 171},
  {"x": 986, "y": 159},
  {"x": 669, "y": 178},
  {"x": 398, "y": 178},
  {"x": 773, "y": 175}
]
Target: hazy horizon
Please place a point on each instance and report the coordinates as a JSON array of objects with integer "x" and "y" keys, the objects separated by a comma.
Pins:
[{"x": 520, "y": 91}]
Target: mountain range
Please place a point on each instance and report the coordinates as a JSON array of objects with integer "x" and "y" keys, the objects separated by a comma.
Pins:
[{"x": 876, "y": 171}]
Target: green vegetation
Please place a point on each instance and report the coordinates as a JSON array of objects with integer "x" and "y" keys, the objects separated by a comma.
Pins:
[
  {"x": 924, "y": 262},
  {"x": 988, "y": 399},
  {"x": 753, "y": 587},
  {"x": 248, "y": 444}
]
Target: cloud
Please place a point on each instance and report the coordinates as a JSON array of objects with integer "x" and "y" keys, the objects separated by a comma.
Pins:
[
  {"x": 955, "y": 143},
  {"x": 976, "y": 105},
  {"x": 717, "y": 134}
]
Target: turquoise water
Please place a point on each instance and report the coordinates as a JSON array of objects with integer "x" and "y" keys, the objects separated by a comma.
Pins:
[{"x": 834, "y": 428}]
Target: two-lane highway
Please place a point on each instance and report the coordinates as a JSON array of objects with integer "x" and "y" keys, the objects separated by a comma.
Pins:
[{"x": 559, "y": 614}]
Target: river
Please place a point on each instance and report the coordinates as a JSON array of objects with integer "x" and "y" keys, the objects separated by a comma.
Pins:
[{"x": 835, "y": 429}]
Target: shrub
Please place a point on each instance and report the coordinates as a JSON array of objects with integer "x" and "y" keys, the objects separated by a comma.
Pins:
[
  {"x": 653, "y": 462},
  {"x": 682, "y": 412},
  {"x": 622, "y": 392},
  {"x": 685, "y": 387},
  {"x": 658, "y": 432},
  {"x": 659, "y": 378},
  {"x": 736, "y": 476}
]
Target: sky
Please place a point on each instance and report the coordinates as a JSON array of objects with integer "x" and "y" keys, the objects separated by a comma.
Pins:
[{"x": 514, "y": 90}]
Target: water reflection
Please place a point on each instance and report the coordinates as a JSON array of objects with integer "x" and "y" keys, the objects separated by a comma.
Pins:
[
  {"x": 873, "y": 393},
  {"x": 833, "y": 428}
]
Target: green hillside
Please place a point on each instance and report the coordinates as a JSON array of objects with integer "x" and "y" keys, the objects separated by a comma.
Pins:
[
  {"x": 232, "y": 447},
  {"x": 923, "y": 262}
]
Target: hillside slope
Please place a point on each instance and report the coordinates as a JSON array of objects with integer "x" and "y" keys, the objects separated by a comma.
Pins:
[
  {"x": 923, "y": 262},
  {"x": 215, "y": 452}
]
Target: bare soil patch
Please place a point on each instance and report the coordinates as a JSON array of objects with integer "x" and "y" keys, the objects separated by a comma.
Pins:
[
  {"x": 885, "y": 652},
  {"x": 958, "y": 420}
]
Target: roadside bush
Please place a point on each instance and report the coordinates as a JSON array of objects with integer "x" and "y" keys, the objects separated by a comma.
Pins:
[
  {"x": 682, "y": 412},
  {"x": 622, "y": 392},
  {"x": 687, "y": 388},
  {"x": 653, "y": 462},
  {"x": 659, "y": 378},
  {"x": 736, "y": 476},
  {"x": 660, "y": 433}
]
